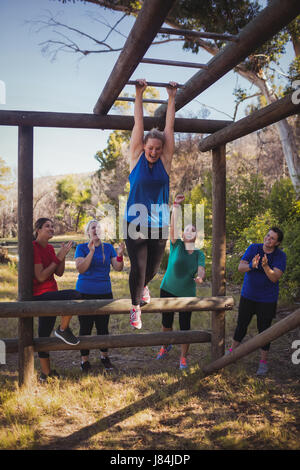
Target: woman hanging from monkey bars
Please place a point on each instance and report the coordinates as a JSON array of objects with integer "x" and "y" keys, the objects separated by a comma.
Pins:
[{"x": 150, "y": 166}]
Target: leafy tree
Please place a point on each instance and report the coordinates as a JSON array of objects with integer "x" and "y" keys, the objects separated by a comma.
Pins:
[
  {"x": 5, "y": 174},
  {"x": 108, "y": 157},
  {"x": 72, "y": 202},
  {"x": 282, "y": 200},
  {"x": 245, "y": 199}
]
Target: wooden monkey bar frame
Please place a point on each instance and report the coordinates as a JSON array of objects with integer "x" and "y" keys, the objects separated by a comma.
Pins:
[{"x": 148, "y": 23}]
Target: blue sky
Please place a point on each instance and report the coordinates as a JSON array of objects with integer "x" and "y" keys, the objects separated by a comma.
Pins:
[{"x": 70, "y": 84}]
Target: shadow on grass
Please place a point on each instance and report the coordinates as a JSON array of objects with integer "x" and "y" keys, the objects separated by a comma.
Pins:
[{"x": 156, "y": 400}]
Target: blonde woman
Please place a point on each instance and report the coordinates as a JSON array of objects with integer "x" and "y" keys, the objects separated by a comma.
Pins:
[
  {"x": 93, "y": 261},
  {"x": 150, "y": 165}
]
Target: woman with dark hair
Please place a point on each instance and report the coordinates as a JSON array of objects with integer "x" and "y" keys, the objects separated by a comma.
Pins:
[
  {"x": 93, "y": 261},
  {"x": 186, "y": 270},
  {"x": 263, "y": 265},
  {"x": 150, "y": 166},
  {"x": 46, "y": 265}
]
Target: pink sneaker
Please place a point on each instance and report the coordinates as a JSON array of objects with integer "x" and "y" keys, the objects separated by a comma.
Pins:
[
  {"x": 135, "y": 318},
  {"x": 146, "y": 298}
]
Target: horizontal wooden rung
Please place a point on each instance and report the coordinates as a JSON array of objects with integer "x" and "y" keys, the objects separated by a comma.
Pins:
[
  {"x": 157, "y": 84},
  {"x": 27, "y": 309},
  {"x": 115, "y": 341},
  {"x": 175, "y": 63},
  {"x": 199, "y": 34},
  {"x": 124, "y": 98}
]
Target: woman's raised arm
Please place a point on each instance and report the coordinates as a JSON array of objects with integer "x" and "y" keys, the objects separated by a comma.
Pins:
[{"x": 136, "y": 141}]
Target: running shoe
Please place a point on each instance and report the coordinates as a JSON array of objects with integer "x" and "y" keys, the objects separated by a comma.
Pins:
[
  {"x": 163, "y": 351},
  {"x": 66, "y": 336},
  {"x": 262, "y": 369},
  {"x": 85, "y": 367},
  {"x": 183, "y": 364},
  {"x": 135, "y": 318},
  {"x": 146, "y": 298},
  {"x": 44, "y": 377},
  {"x": 106, "y": 363}
]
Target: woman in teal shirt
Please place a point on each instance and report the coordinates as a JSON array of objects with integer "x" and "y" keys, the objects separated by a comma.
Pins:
[{"x": 186, "y": 269}]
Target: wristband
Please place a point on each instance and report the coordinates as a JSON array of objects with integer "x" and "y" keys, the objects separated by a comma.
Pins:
[
  {"x": 250, "y": 265},
  {"x": 119, "y": 258},
  {"x": 175, "y": 204}
]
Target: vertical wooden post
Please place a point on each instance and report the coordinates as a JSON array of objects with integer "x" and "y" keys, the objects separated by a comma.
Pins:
[
  {"x": 218, "y": 246},
  {"x": 25, "y": 271}
]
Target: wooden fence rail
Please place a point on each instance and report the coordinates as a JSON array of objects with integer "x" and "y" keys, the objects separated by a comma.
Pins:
[
  {"x": 115, "y": 341},
  {"x": 28, "y": 309}
]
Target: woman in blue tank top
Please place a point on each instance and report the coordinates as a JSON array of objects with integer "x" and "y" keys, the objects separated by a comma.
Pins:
[{"x": 147, "y": 212}]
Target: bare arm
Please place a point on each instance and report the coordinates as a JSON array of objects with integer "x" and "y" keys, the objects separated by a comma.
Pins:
[
  {"x": 244, "y": 265},
  {"x": 137, "y": 135},
  {"x": 42, "y": 274},
  {"x": 62, "y": 255},
  {"x": 83, "y": 264},
  {"x": 169, "y": 144},
  {"x": 200, "y": 275},
  {"x": 118, "y": 265},
  {"x": 174, "y": 230},
  {"x": 273, "y": 274}
]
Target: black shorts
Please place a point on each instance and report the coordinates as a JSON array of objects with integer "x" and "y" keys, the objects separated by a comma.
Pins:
[
  {"x": 264, "y": 311},
  {"x": 168, "y": 317}
]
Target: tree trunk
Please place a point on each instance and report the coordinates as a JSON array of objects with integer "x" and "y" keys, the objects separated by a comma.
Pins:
[{"x": 286, "y": 135}]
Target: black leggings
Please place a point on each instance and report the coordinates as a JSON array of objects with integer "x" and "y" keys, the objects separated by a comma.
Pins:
[
  {"x": 168, "y": 317},
  {"x": 145, "y": 256},
  {"x": 46, "y": 324},
  {"x": 265, "y": 312},
  {"x": 87, "y": 321}
]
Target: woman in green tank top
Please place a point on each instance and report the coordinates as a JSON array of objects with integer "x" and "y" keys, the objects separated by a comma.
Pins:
[{"x": 186, "y": 269}]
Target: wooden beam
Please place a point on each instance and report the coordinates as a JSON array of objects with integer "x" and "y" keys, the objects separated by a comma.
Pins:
[
  {"x": 25, "y": 249},
  {"x": 156, "y": 84},
  {"x": 125, "y": 98},
  {"x": 148, "y": 22},
  {"x": 92, "y": 121},
  {"x": 102, "y": 307},
  {"x": 174, "y": 63},
  {"x": 256, "y": 120},
  {"x": 116, "y": 341},
  {"x": 275, "y": 331},
  {"x": 218, "y": 246},
  {"x": 266, "y": 24},
  {"x": 199, "y": 34}
]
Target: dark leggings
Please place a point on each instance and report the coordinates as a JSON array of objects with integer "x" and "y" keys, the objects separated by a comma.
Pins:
[
  {"x": 46, "y": 324},
  {"x": 87, "y": 321},
  {"x": 168, "y": 317},
  {"x": 145, "y": 256},
  {"x": 264, "y": 311}
]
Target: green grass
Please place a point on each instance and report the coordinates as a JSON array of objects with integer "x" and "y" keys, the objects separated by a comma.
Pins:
[{"x": 149, "y": 404}]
